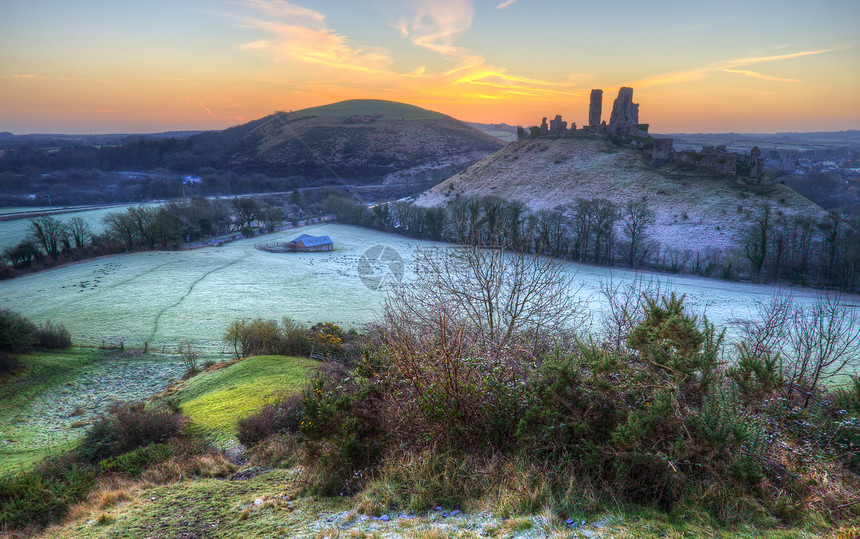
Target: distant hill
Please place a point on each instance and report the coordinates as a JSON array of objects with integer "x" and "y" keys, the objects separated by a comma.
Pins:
[
  {"x": 695, "y": 208},
  {"x": 356, "y": 141},
  {"x": 48, "y": 140},
  {"x": 503, "y": 131}
]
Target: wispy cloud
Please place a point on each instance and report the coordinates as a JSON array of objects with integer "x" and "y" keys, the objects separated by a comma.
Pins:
[
  {"x": 730, "y": 66},
  {"x": 436, "y": 24},
  {"x": 209, "y": 112},
  {"x": 756, "y": 75},
  {"x": 18, "y": 76},
  {"x": 300, "y": 33}
]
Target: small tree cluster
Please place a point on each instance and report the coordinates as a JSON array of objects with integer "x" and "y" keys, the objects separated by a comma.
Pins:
[{"x": 17, "y": 335}]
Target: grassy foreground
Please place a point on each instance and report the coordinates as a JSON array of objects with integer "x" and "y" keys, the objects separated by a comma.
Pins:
[{"x": 268, "y": 506}]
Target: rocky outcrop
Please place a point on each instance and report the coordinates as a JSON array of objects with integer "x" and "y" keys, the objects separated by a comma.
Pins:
[
  {"x": 595, "y": 109},
  {"x": 544, "y": 128},
  {"x": 625, "y": 113}
]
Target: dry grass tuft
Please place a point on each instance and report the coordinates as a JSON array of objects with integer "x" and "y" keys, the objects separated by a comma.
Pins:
[
  {"x": 276, "y": 452},
  {"x": 111, "y": 491}
]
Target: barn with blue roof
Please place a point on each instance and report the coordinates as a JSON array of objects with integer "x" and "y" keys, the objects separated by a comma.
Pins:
[{"x": 308, "y": 243}]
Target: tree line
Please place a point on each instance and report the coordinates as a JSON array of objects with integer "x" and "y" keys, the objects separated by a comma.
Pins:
[
  {"x": 774, "y": 247},
  {"x": 52, "y": 241}
]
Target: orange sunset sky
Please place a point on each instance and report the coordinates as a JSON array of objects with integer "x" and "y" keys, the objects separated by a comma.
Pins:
[{"x": 116, "y": 66}]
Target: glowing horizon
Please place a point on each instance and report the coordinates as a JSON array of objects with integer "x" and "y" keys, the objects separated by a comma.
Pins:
[{"x": 96, "y": 66}]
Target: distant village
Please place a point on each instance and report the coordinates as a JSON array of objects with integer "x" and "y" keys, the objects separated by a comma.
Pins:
[{"x": 624, "y": 128}]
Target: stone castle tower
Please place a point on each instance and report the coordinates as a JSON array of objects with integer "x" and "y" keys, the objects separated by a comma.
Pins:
[{"x": 595, "y": 109}]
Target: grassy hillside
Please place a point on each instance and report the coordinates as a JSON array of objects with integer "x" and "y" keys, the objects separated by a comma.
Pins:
[
  {"x": 384, "y": 110},
  {"x": 215, "y": 400},
  {"x": 46, "y": 406},
  {"x": 354, "y": 142},
  {"x": 695, "y": 208}
]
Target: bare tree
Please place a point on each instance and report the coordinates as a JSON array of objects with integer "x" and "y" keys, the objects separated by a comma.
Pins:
[
  {"x": 49, "y": 233},
  {"x": 813, "y": 343},
  {"x": 756, "y": 240},
  {"x": 624, "y": 308},
  {"x": 273, "y": 216},
  {"x": 122, "y": 226},
  {"x": 823, "y": 340},
  {"x": 605, "y": 216},
  {"x": 500, "y": 298},
  {"x": 767, "y": 329},
  {"x": 246, "y": 211},
  {"x": 636, "y": 217},
  {"x": 189, "y": 356},
  {"x": 144, "y": 220},
  {"x": 80, "y": 231}
]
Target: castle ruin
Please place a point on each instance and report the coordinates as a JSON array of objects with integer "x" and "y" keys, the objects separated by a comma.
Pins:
[
  {"x": 624, "y": 126},
  {"x": 595, "y": 108}
]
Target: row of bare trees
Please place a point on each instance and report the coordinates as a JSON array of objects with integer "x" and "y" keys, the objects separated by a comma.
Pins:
[
  {"x": 798, "y": 249},
  {"x": 775, "y": 247},
  {"x": 52, "y": 241}
]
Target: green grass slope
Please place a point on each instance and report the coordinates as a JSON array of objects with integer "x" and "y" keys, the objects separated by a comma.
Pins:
[
  {"x": 46, "y": 406},
  {"x": 215, "y": 400},
  {"x": 41, "y": 373}
]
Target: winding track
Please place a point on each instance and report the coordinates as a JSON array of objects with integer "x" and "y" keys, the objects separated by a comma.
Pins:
[{"x": 186, "y": 294}]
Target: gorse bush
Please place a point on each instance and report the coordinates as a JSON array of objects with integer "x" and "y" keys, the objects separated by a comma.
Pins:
[
  {"x": 40, "y": 497},
  {"x": 659, "y": 421},
  {"x": 136, "y": 460}
]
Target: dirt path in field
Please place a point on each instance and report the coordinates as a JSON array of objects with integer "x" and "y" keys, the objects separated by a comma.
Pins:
[{"x": 190, "y": 289}]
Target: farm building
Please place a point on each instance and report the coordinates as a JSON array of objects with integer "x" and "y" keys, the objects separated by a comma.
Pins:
[{"x": 310, "y": 243}]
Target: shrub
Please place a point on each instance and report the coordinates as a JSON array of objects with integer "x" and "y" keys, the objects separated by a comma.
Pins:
[
  {"x": 127, "y": 428},
  {"x": 8, "y": 362},
  {"x": 295, "y": 340},
  {"x": 16, "y": 332},
  {"x": 756, "y": 375},
  {"x": 42, "y": 496},
  {"x": 189, "y": 356},
  {"x": 53, "y": 336},
  {"x": 134, "y": 461},
  {"x": 848, "y": 398},
  {"x": 280, "y": 418}
]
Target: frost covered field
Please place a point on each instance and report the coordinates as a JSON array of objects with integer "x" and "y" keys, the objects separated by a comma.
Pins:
[{"x": 164, "y": 297}]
